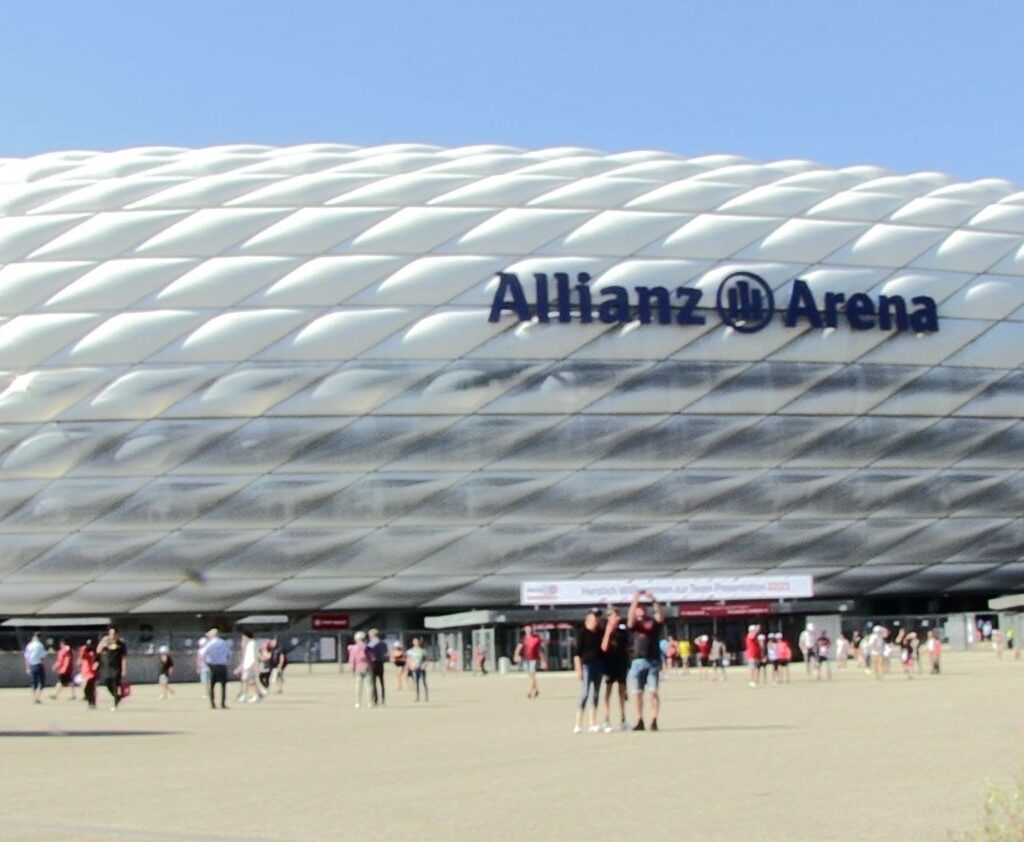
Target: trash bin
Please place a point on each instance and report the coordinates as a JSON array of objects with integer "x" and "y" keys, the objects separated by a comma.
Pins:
[{"x": 504, "y": 665}]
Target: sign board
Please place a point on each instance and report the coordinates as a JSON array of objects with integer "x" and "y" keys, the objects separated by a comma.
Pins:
[
  {"x": 330, "y": 622},
  {"x": 710, "y": 589},
  {"x": 695, "y": 610}
]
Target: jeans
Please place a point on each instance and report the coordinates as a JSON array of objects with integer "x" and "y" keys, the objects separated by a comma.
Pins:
[
  {"x": 218, "y": 675},
  {"x": 361, "y": 677},
  {"x": 378, "y": 677},
  {"x": 592, "y": 675},
  {"x": 89, "y": 689},
  {"x": 38, "y": 676},
  {"x": 420, "y": 675}
]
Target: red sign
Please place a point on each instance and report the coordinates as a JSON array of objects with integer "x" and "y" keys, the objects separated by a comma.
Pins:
[
  {"x": 330, "y": 622},
  {"x": 729, "y": 609}
]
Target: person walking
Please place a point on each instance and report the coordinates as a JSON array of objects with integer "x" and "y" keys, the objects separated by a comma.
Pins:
[
  {"x": 934, "y": 646},
  {"x": 842, "y": 651},
  {"x": 113, "y": 655},
  {"x": 279, "y": 661},
  {"x": 717, "y": 655},
  {"x": 266, "y": 657},
  {"x": 87, "y": 672},
  {"x": 216, "y": 657},
  {"x": 752, "y": 653},
  {"x": 416, "y": 662},
  {"x": 588, "y": 661},
  {"x": 166, "y": 670},
  {"x": 645, "y": 627},
  {"x": 530, "y": 652},
  {"x": 64, "y": 666},
  {"x": 379, "y": 656},
  {"x": 823, "y": 651},
  {"x": 875, "y": 645},
  {"x": 202, "y": 668},
  {"x": 399, "y": 659},
  {"x": 359, "y": 658},
  {"x": 35, "y": 666},
  {"x": 615, "y": 647},
  {"x": 248, "y": 671}
]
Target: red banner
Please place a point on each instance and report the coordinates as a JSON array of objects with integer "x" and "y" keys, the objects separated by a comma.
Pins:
[
  {"x": 729, "y": 609},
  {"x": 330, "y": 622}
]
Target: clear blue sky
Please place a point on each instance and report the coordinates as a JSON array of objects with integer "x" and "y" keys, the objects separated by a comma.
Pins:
[{"x": 909, "y": 85}]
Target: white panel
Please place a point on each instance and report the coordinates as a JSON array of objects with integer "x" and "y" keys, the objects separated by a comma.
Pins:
[
  {"x": 410, "y": 189},
  {"x": 41, "y": 395},
  {"x": 144, "y": 393},
  {"x": 856, "y": 206},
  {"x": 688, "y": 195},
  {"x": 928, "y": 210},
  {"x": 232, "y": 336},
  {"x": 774, "y": 199},
  {"x": 311, "y": 231},
  {"x": 1001, "y": 346},
  {"x": 21, "y": 235},
  {"x": 930, "y": 349},
  {"x": 118, "y": 283},
  {"x": 598, "y": 192},
  {"x": 804, "y": 240},
  {"x": 325, "y": 281},
  {"x": 436, "y": 279},
  {"x": 968, "y": 251},
  {"x": 23, "y": 285},
  {"x": 1008, "y": 218},
  {"x": 414, "y": 230},
  {"x": 535, "y": 341},
  {"x": 712, "y": 236},
  {"x": 223, "y": 281},
  {"x": 27, "y": 340},
  {"x": 724, "y": 343},
  {"x": 131, "y": 337},
  {"x": 501, "y": 190},
  {"x": 888, "y": 245},
  {"x": 518, "y": 231},
  {"x": 342, "y": 334},
  {"x": 444, "y": 334},
  {"x": 617, "y": 233},
  {"x": 987, "y": 297},
  {"x": 107, "y": 235},
  {"x": 207, "y": 233}
]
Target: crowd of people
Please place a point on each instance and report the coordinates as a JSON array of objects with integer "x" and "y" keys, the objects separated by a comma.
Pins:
[{"x": 616, "y": 657}]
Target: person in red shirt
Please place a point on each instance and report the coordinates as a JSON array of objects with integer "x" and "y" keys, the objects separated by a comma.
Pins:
[
  {"x": 530, "y": 651},
  {"x": 703, "y": 656},
  {"x": 64, "y": 666},
  {"x": 785, "y": 656},
  {"x": 87, "y": 670},
  {"x": 753, "y": 652}
]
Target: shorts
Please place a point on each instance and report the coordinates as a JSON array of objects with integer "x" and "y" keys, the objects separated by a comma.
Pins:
[
  {"x": 65, "y": 679},
  {"x": 529, "y": 666},
  {"x": 163, "y": 679},
  {"x": 716, "y": 663},
  {"x": 38, "y": 675},
  {"x": 644, "y": 675},
  {"x": 616, "y": 671}
]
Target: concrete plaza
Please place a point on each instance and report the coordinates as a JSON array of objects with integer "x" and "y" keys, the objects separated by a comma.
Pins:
[{"x": 851, "y": 759}]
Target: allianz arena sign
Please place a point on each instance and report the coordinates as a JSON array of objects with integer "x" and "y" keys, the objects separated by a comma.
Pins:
[{"x": 744, "y": 302}]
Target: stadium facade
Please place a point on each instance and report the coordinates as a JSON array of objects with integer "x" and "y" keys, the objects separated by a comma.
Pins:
[{"x": 249, "y": 379}]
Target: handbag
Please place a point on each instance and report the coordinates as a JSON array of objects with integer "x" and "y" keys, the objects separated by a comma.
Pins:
[{"x": 125, "y": 690}]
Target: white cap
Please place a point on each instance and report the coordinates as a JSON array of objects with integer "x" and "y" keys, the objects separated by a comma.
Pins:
[{"x": 163, "y": 650}]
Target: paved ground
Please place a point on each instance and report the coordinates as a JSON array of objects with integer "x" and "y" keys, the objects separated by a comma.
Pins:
[{"x": 855, "y": 759}]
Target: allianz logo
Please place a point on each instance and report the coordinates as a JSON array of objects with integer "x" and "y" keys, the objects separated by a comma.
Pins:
[{"x": 744, "y": 301}]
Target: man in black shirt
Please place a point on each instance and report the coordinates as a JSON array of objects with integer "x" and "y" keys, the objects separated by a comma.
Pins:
[
  {"x": 615, "y": 646},
  {"x": 113, "y": 663},
  {"x": 645, "y": 628}
]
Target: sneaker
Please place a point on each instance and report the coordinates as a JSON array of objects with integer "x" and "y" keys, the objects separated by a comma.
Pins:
[
  {"x": 607, "y": 728},
  {"x": 639, "y": 726},
  {"x": 654, "y": 724},
  {"x": 576, "y": 729},
  {"x": 357, "y": 705},
  {"x": 752, "y": 684}
]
